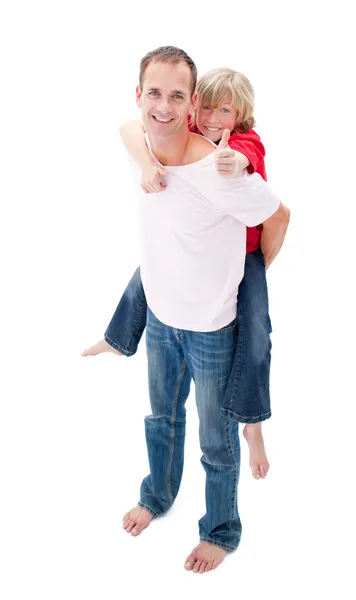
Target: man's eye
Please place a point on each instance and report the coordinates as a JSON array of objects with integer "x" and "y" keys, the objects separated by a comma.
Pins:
[
  {"x": 153, "y": 93},
  {"x": 178, "y": 96}
]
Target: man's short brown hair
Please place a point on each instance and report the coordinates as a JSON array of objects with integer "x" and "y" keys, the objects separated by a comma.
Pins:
[{"x": 169, "y": 54}]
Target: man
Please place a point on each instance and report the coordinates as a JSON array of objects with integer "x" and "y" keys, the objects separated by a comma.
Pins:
[{"x": 193, "y": 250}]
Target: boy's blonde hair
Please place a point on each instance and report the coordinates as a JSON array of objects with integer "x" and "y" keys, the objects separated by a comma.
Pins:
[{"x": 217, "y": 85}]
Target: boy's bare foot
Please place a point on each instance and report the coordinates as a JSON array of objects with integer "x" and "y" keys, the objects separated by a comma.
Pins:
[
  {"x": 205, "y": 557},
  {"x": 258, "y": 459},
  {"x": 136, "y": 520},
  {"x": 99, "y": 348}
]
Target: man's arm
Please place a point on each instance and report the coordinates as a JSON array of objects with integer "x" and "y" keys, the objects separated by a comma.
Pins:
[
  {"x": 133, "y": 138},
  {"x": 273, "y": 233}
]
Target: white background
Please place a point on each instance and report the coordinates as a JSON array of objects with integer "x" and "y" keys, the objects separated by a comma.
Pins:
[{"x": 71, "y": 431}]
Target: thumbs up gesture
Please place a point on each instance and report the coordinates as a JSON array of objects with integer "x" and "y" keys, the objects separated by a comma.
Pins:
[{"x": 225, "y": 158}]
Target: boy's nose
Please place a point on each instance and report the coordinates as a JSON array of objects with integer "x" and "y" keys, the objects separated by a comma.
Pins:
[{"x": 213, "y": 117}]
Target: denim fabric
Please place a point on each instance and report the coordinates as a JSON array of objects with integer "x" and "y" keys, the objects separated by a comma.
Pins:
[
  {"x": 128, "y": 322},
  {"x": 247, "y": 398},
  {"x": 175, "y": 357}
]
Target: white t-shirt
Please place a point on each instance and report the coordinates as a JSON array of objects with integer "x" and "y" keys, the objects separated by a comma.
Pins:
[{"x": 193, "y": 242}]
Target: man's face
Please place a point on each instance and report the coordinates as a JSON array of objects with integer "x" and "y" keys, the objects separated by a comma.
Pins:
[{"x": 165, "y": 99}]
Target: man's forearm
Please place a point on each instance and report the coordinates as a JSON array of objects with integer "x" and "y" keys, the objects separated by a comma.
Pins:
[{"x": 273, "y": 234}]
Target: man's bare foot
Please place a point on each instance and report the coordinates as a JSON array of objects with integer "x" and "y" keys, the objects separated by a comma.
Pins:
[
  {"x": 258, "y": 459},
  {"x": 136, "y": 520},
  {"x": 99, "y": 348},
  {"x": 205, "y": 557}
]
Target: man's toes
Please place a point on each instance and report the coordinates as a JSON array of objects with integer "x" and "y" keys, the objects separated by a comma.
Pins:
[
  {"x": 130, "y": 525},
  {"x": 137, "y": 529},
  {"x": 197, "y": 566},
  {"x": 139, "y": 525},
  {"x": 202, "y": 566},
  {"x": 189, "y": 563},
  {"x": 264, "y": 470},
  {"x": 256, "y": 473},
  {"x": 209, "y": 566}
]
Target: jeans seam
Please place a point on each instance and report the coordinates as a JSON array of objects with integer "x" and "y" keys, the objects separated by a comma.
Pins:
[
  {"x": 220, "y": 544},
  {"x": 117, "y": 346},
  {"x": 245, "y": 419},
  {"x": 179, "y": 383},
  {"x": 239, "y": 351},
  {"x": 233, "y": 455},
  {"x": 143, "y": 505},
  {"x": 137, "y": 318}
]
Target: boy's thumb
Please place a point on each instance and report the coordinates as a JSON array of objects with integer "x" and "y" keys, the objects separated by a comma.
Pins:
[{"x": 224, "y": 140}]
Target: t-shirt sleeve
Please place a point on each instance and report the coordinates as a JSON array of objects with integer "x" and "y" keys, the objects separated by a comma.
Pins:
[
  {"x": 250, "y": 145},
  {"x": 248, "y": 198}
]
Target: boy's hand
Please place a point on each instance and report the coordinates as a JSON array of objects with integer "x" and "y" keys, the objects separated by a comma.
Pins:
[
  {"x": 225, "y": 159},
  {"x": 151, "y": 180}
]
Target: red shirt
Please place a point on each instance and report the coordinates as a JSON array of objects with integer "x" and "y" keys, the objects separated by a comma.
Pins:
[{"x": 250, "y": 145}]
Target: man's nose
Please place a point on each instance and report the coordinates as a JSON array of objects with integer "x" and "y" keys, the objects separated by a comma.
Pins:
[{"x": 164, "y": 106}]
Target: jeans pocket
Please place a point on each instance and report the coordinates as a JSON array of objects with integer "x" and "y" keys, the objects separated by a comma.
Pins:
[{"x": 228, "y": 327}]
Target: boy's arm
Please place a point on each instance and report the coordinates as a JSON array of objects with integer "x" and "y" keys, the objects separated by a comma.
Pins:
[
  {"x": 237, "y": 152},
  {"x": 273, "y": 234},
  {"x": 132, "y": 135}
]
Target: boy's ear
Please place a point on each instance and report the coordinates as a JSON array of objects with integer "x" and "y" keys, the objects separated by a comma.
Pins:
[{"x": 138, "y": 96}]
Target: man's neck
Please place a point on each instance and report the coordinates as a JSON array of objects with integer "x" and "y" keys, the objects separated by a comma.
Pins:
[{"x": 173, "y": 151}]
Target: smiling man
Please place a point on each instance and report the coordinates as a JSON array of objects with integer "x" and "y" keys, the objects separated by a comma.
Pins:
[{"x": 193, "y": 245}]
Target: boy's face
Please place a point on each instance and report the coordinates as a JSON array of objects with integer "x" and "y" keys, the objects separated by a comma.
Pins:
[
  {"x": 212, "y": 121},
  {"x": 165, "y": 98}
]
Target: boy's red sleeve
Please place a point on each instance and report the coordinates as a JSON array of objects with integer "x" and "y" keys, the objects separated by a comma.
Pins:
[{"x": 250, "y": 145}]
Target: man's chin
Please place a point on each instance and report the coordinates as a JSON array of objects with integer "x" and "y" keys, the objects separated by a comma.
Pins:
[{"x": 160, "y": 132}]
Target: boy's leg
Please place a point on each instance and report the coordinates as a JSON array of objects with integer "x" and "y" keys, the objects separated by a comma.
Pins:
[
  {"x": 247, "y": 398},
  {"x": 129, "y": 320},
  {"x": 210, "y": 357},
  {"x": 169, "y": 384},
  {"x": 127, "y": 324}
]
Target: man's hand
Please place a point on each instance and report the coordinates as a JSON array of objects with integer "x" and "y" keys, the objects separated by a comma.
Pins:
[
  {"x": 225, "y": 159},
  {"x": 151, "y": 180}
]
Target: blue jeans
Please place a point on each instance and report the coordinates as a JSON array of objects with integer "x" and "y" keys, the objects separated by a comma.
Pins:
[
  {"x": 175, "y": 357},
  {"x": 247, "y": 398}
]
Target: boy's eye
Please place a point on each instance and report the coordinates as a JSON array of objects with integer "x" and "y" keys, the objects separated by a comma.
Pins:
[
  {"x": 206, "y": 107},
  {"x": 225, "y": 110}
]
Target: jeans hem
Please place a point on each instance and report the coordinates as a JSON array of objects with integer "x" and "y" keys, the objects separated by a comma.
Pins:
[
  {"x": 226, "y": 412},
  {"x": 117, "y": 346},
  {"x": 219, "y": 544},
  {"x": 143, "y": 505}
]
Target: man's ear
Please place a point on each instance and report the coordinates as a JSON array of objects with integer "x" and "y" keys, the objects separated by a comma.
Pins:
[
  {"x": 193, "y": 101},
  {"x": 138, "y": 96}
]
